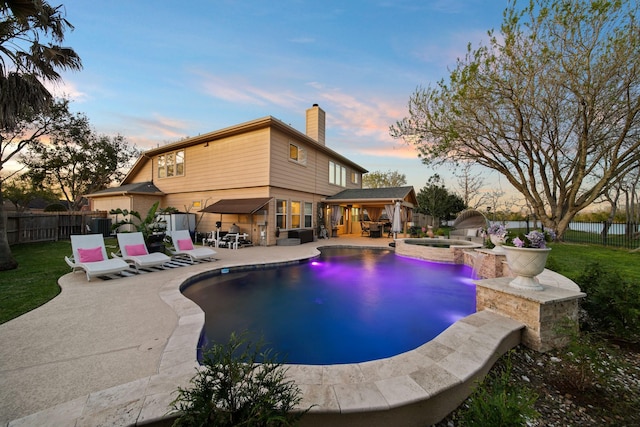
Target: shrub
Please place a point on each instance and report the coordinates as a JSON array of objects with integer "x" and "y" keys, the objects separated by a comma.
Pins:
[
  {"x": 239, "y": 384},
  {"x": 498, "y": 402},
  {"x": 587, "y": 363},
  {"x": 612, "y": 303},
  {"x": 55, "y": 207}
]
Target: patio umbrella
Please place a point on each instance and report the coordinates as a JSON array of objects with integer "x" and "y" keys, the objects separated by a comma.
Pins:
[{"x": 396, "y": 225}]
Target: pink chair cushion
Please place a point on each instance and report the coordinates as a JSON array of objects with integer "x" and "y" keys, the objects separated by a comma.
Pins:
[
  {"x": 135, "y": 250},
  {"x": 185, "y": 244},
  {"x": 90, "y": 255}
]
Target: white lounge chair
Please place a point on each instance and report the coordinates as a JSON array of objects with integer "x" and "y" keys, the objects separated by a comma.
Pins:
[
  {"x": 183, "y": 245},
  {"x": 90, "y": 255},
  {"x": 134, "y": 251}
]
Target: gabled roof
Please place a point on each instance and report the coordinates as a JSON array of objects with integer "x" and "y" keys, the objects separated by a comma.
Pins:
[
  {"x": 364, "y": 195},
  {"x": 241, "y": 128},
  {"x": 135, "y": 188}
]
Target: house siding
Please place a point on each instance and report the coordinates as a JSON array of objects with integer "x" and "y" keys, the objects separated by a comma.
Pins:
[
  {"x": 249, "y": 160},
  {"x": 312, "y": 177}
]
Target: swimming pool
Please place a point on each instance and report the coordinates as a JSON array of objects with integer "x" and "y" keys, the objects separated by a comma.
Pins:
[{"x": 346, "y": 306}]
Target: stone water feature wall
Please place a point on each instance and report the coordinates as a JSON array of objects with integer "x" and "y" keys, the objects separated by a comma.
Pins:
[{"x": 545, "y": 313}]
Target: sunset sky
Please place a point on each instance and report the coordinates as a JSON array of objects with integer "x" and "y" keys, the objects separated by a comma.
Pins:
[{"x": 158, "y": 71}]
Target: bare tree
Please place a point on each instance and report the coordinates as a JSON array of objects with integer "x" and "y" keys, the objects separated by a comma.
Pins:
[
  {"x": 552, "y": 104},
  {"x": 469, "y": 186}
]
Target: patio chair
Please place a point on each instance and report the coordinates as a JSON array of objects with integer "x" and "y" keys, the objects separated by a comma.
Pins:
[
  {"x": 183, "y": 245},
  {"x": 134, "y": 251},
  {"x": 90, "y": 255},
  {"x": 364, "y": 229},
  {"x": 374, "y": 230}
]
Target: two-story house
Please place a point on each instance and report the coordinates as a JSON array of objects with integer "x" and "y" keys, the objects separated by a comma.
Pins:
[{"x": 263, "y": 175}]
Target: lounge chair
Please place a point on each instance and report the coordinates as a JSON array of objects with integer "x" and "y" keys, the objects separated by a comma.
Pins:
[
  {"x": 134, "y": 251},
  {"x": 183, "y": 245},
  {"x": 90, "y": 255}
]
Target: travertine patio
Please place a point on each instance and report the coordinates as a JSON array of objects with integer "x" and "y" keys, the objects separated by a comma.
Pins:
[{"x": 114, "y": 352}]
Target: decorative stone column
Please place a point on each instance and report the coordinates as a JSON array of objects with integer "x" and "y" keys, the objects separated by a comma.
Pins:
[{"x": 543, "y": 312}]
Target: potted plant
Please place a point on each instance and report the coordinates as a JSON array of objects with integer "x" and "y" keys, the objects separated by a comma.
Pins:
[
  {"x": 498, "y": 235},
  {"x": 152, "y": 228},
  {"x": 527, "y": 256}
]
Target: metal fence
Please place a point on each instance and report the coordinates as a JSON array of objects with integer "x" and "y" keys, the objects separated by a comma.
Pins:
[
  {"x": 617, "y": 234},
  {"x": 51, "y": 226},
  {"x": 614, "y": 234}
]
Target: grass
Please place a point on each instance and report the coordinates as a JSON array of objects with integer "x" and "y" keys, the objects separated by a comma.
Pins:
[
  {"x": 571, "y": 259},
  {"x": 35, "y": 281}
]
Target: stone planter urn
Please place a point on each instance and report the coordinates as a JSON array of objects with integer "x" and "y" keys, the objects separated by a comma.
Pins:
[
  {"x": 498, "y": 242},
  {"x": 526, "y": 264}
]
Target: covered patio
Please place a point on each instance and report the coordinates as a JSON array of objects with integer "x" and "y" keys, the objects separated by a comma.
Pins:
[
  {"x": 373, "y": 212},
  {"x": 245, "y": 213}
]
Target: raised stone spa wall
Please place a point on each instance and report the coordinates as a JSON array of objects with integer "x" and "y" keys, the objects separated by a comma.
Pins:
[{"x": 455, "y": 253}]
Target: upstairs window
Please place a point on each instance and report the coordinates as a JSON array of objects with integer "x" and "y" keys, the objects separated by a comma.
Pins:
[
  {"x": 171, "y": 164},
  {"x": 337, "y": 174},
  {"x": 355, "y": 178},
  {"x": 297, "y": 154}
]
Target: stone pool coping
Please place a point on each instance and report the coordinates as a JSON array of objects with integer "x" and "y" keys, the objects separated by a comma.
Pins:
[{"x": 411, "y": 388}]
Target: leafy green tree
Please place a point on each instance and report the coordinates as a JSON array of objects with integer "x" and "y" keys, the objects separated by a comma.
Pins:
[
  {"x": 77, "y": 161},
  {"x": 25, "y": 61},
  {"x": 378, "y": 179},
  {"x": 25, "y": 65},
  {"x": 20, "y": 191},
  {"x": 551, "y": 104},
  {"x": 435, "y": 200}
]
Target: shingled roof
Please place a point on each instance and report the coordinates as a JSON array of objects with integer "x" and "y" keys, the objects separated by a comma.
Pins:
[
  {"x": 135, "y": 188},
  {"x": 372, "y": 194}
]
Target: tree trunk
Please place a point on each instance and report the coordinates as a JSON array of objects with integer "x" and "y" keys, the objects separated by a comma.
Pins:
[{"x": 7, "y": 262}]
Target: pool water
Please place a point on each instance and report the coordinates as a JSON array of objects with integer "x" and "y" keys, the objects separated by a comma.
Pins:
[{"x": 347, "y": 306}]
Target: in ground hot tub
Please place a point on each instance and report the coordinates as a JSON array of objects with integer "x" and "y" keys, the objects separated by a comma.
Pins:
[{"x": 441, "y": 250}]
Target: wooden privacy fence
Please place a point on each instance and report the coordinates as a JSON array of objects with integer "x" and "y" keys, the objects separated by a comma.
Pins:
[{"x": 50, "y": 226}]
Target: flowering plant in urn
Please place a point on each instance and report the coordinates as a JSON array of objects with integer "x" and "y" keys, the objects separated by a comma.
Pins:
[
  {"x": 498, "y": 235},
  {"x": 526, "y": 257},
  {"x": 498, "y": 230},
  {"x": 535, "y": 239}
]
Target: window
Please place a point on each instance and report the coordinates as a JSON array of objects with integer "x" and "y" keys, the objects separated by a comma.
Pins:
[
  {"x": 297, "y": 154},
  {"x": 355, "y": 177},
  {"x": 171, "y": 164},
  {"x": 281, "y": 214},
  {"x": 295, "y": 214},
  {"x": 308, "y": 214},
  {"x": 337, "y": 174}
]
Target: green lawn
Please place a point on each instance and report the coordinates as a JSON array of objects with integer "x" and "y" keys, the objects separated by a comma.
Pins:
[
  {"x": 34, "y": 282},
  {"x": 571, "y": 259}
]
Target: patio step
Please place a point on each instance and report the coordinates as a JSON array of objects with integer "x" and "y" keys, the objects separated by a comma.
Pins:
[{"x": 287, "y": 242}]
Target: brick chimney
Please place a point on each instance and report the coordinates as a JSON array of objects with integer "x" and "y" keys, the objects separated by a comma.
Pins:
[{"x": 316, "y": 123}]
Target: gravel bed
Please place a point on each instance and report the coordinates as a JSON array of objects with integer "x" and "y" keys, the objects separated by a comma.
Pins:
[{"x": 563, "y": 400}]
